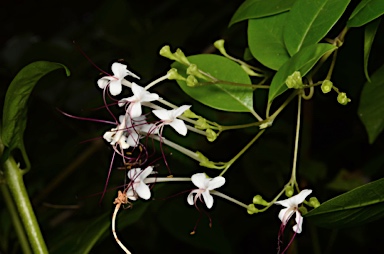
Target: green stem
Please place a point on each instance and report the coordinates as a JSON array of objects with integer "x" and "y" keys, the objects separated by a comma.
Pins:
[
  {"x": 14, "y": 179},
  {"x": 15, "y": 220},
  {"x": 229, "y": 163}
]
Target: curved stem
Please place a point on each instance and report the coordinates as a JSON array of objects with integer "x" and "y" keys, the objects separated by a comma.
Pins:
[
  {"x": 296, "y": 149},
  {"x": 222, "y": 195}
]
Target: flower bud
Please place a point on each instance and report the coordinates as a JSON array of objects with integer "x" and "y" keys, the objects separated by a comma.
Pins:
[
  {"x": 252, "y": 209},
  {"x": 314, "y": 202},
  {"x": 204, "y": 161},
  {"x": 173, "y": 74},
  {"x": 211, "y": 135},
  {"x": 289, "y": 191},
  {"x": 294, "y": 80},
  {"x": 180, "y": 55},
  {"x": 189, "y": 114},
  {"x": 219, "y": 44},
  {"x": 326, "y": 86},
  {"x": 193, "y": 70},
  {"x": 192, "y": 81},
  {"x": 343, "y": 99},
  {"x": 201, "y": 124},
  {"x": 258, "y": 200},
  {"x": 249, "y": 71},
  {"x": 303, "y": 210},
  {"x": 166, "y": 52}
]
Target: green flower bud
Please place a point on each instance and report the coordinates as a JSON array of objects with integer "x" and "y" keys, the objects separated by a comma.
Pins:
[
  {"x": 303, "y": 210},
  {"x": 326, "y": 86},
  {"x": 289, "y": 191},
  {"x": 249, "y": 71},
  {"x": 258, "y": 200},
  {"x": 314, "y": 202},
  {"x": 166, "y": 52},
  {"x": 193, "y": 70},
  {"x": 192, "y": 81},
  {"x": 252, "y": 209},
  {"x": 172, "y": 74},
  {"x": 219, "y": 44},
  {"x": 204, "y": 162},
  {"x": 343, "y": 99},
  {"x": 189, "y": 114},
  {"x": 201, "y": 124},
  {"x": 180, "y": 55},
  {"x": 211, "y": 135},
  {"x": 294, "y": 80}
]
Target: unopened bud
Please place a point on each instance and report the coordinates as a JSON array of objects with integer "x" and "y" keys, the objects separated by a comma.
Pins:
[
  {"x": 326, "y": 86},
  {"x": 314, "y": 202},
  {"x": 252, "y": 209},
  {"x": 180, "y": 55},
  {"x": 189, "y": 114},
  {"x": 343, "y": 99},
  {"x": 294, "y": 80},
  {"x": 303, "y": 210},
  {"x": 249, "y": 71},
  {"x": 166, "y": 52},
  {"x": 192, "y": 81},
  {"x": 211, "y": 135},
  {"x": 289, "y": 191},
  {"x": 258, "y": 200},
  {"x": 219, "y": 44},
  {"x": 173, "y": 74},
  {"x": 193, "y": 70},
  {"x": 201, "y": 124}
]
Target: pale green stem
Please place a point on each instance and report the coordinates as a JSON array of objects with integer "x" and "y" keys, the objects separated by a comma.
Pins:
[
  {"x": 166, "y": 179},
  {"x": 296, "y": 149},
  {"x": 177, "y": 147},
  {"x": 23, "y": 241},
  {"x": 167, "y": 103},
  {"x": 126, "y": 83},
  {"x": 229, "y": 163},
  {"x": 14, "y": 180},
  {"x": 156, "y": 81},
  {"x": 222, "y": 195}
]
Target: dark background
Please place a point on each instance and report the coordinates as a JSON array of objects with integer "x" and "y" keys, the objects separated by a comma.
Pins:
[{"x": 70, "y": 161}]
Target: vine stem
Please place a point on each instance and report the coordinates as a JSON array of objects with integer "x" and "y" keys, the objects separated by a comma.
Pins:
[
  {"x": 296, "y": 149},
  {"x": 13, "y": 177},
  {"x": 121, "y": 199}
]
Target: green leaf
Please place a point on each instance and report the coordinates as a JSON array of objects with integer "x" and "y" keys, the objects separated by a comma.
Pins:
[
  {"x": 15, "y": 108},
  {"x": 252, "y": 9},
  {"x": 366, "y": 11},
  {"x": 302, "y": 61},
  {"x": 309, "y": 21},
  {"x": 369, "y": 35},
  {"x": 358, "y": 206},
  {"x": 265, "y": 40},
  {"x": 219, "y": 96},
  {"x": 371, "y": 108}
]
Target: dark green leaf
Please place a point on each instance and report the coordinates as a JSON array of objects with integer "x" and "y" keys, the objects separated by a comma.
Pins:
[
  {"x": 252, "y": 9},
  {"x": 369, "y": 35},
  {"x": 358, "y": 206},
  {"x": 302, "y": 61},
  {"x": 371, "y": 108},
  {"x": 265, "y": 40},
  {"x": 309, "y": 21},
  {"x": 15, "y": 108},
  {"x": 219, "y": 96},
  {"x": 365, "y": 12}
]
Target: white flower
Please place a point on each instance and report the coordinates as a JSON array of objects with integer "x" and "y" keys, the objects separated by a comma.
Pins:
[
  {"x": 119, "y": 72},
  {"x": 205, "y": 185},
  {"x": 169, "y": 118},
  {"x": 138, "y": 188},
  {"x": 292, "y": 206},
  {"x": 118, "y": 135},
  {"x": 139, "y": 95}
]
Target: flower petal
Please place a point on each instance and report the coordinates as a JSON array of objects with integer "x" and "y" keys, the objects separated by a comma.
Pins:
[
  {"x": 216, "y": 182},
  {"x": 179, "y": 126},
  {"x": 143, "y": 190},
  {"x": 134, "y": 173},
  {"x": 103, "y": 82},
  {"x": 134, "y": 109},
  {"x": 199, "y": 180},
  {"x": 115, "y": 87},
  {"x": 162, "y": 114},
  {"x": 284, "y": 215},
  {"x": 299, "y": 220},
  {"x": 131, "y": 194},
  {"x": 299, "y": 198},
  {"x": 190, "y": 197},
  {"x": 208, "y": 199},
  {"x": 180, "y": 110},
  {"x": 146, "y": 172},
  {"x": 120, "y": 71}
]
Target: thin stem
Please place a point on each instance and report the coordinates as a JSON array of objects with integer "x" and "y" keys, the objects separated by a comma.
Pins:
[
  {"x": 222, "y": 195},
  {"x": 166, "y": 179},
  {"x": 121, "y": 199},
  {"x": 229, "y": 163},
  {"x": 296, "y": 149},
  {"x": 13, "y": 177},
  {"x": 286, "y": 102},
  {"x": 156, "y": 81},
  {"x": 177, "y": 147},
  {"x": 15, "y": 220},
  {"x": 223, "y": 82}
]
